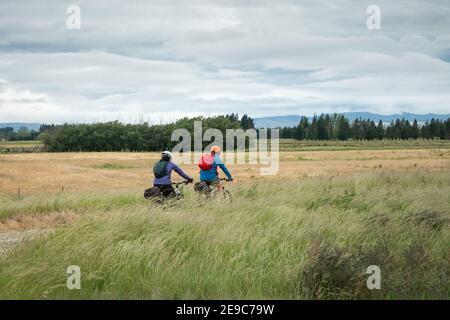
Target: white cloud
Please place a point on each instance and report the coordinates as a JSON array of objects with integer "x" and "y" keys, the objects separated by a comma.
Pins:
[{"x": 161, "y": 60}]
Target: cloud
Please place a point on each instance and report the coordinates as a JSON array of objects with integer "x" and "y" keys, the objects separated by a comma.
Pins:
[{"x": 162, "y": 60}]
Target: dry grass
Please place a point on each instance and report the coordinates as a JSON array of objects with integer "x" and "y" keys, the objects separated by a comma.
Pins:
[
  {"x": 46, "y": 173},
  {"x": 26, "y": 222},
  {"x": 21, "y": 144}
]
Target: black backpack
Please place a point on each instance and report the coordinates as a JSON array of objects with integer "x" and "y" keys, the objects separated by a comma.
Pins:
[{"x": 160, "y": 169}]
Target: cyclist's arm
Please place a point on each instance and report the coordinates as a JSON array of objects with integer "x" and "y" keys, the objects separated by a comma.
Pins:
[
  {"x": 181, "y": 172},
  {"x": 225, "y": 170}
]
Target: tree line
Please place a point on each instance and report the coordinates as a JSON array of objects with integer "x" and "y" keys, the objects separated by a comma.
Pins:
[
  {"x": 338, "y": 127},
  {"x": 116, "y": 136}
]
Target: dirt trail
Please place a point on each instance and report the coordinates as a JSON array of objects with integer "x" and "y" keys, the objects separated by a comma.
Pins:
[
  {"x": 10, "y": 239},
  {"x": 23, "y": 227}
]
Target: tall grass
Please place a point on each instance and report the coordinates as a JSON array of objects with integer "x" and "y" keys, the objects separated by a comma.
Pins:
[
  {"x": 78, "y": 203},
  {"x": 313, "y": 239}
]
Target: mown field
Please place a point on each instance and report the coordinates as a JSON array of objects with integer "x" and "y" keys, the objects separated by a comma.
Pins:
[{"x": 308, "y": 233}]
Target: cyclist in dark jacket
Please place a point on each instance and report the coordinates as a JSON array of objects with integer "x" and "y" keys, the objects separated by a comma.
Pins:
[{"x": 162, "y": 172}]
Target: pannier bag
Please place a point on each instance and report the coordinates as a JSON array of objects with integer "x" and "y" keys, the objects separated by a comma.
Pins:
[
  {"x": 200, "y": 186},
  {"x": 152, "y": 192}
]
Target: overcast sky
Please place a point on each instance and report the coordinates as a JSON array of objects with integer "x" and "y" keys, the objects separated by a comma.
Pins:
[{"x": 161, "y": 60}]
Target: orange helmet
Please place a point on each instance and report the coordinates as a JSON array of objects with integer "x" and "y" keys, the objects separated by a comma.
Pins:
[{"x": 216, "y": 149}]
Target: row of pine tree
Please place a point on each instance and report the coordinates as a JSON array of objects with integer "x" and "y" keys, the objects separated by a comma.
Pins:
[{"x": 338, "y": 127}]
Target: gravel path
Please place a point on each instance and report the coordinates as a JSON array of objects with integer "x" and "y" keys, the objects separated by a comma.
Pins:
[{"x": 8, "y": 240}]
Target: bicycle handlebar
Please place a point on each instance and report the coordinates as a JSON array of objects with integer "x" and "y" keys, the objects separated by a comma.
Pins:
[
  {"x": 187, "y": 182},
  {"x": 178, "y": 183}
]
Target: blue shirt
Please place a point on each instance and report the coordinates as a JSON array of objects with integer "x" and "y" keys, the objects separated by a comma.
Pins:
[
  {"x": 212, "y": 174},
  {"x": 166, "y": 179}
]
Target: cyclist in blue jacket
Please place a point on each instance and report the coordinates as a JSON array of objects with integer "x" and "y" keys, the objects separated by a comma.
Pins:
[{"x": 211, "y": 175}]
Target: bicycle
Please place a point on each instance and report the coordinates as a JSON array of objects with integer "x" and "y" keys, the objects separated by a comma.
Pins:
[
  {"x": 161, "y": 196},
  {"x": 210, "y": 190}
]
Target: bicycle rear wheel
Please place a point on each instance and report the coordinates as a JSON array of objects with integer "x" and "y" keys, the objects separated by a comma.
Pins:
[{"x": 226, "y": 195}]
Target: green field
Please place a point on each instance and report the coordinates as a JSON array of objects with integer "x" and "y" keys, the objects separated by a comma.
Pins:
[
  {"x": 333, "y": 145},
  {"x": 308, "y": 239}
]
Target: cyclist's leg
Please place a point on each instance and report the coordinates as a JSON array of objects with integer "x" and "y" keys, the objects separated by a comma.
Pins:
[
  {"x": 167, "y": 191},
  {"x": 216, "y": 184},
  {"x": 209, "y": 187},
  {"x": 201, "y": 186},
  {"x": 219, "y": 185}
]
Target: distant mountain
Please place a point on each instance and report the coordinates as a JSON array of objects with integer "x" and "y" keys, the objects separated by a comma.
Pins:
[
  {"x": 388, "y": 118},
  {"x": 293, "y": 120},
  {"x": 18, "y": 125}
]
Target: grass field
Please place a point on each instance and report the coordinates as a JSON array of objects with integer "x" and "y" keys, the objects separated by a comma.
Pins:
[
  {"x": 46, "y": 173},
  {"x": 21, "y": 146},
  {"x": 309, "y": 232},
  {"x": 285, "y": 145},
  {"x": 313, "y": 145}
]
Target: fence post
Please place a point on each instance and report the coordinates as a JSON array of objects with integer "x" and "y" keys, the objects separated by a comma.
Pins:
[{"x": 18, "y": 192}]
